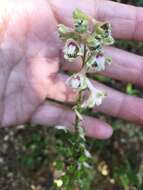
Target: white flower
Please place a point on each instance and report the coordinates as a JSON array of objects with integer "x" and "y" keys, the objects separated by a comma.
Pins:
[
  {"x": 97, "y": 63},
  {"x": 101, "y": 61},
  {"x": 71, "y": 50},
  {"x": 95, "y": 98},
  {"x": 77, "y": 82},
  {"x": 104, "y": 31}
]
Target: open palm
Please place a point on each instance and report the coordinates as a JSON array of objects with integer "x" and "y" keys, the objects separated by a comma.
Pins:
[{"x": 31, "y": 63}]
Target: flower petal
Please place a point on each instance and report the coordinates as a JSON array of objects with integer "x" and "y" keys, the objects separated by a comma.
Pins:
[
  {"x": 77, "y": 82},
  {"x": 95, "y": 98},
  {"x": 71, "y": 50}
]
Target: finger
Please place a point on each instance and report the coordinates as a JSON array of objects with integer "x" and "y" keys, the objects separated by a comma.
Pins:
[
  {"x": 126, "y": 19},
  {"x": 125, "y": 66},
  {"x": 120, "y": 105},
  {"x": 117, "y": 104},
  {"x": 51, "y": 114}
]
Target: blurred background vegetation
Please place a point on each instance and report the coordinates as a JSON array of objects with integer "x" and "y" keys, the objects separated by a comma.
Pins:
[{"x": 27, "y": 152}]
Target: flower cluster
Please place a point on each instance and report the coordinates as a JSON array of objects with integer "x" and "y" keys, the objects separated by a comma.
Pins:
[
  {"x": 86, "y": 43},
  {"x": 80, "y": 82}
]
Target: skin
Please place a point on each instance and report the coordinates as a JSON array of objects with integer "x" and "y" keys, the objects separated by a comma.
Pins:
[{"x": 31, "y": 63}]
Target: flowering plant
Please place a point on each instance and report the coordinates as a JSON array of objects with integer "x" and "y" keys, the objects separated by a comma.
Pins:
[{"x": 85, "y": 42}]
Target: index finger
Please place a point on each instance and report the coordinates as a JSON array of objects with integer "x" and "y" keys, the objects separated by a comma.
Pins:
[{"x": 127, "y": 20}]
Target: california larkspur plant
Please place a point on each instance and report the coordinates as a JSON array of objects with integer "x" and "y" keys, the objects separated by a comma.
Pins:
[{"x": 84, "y": 42}]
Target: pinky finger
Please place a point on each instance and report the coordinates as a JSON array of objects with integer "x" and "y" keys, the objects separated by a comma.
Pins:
[{"x": 52, "y": 114}]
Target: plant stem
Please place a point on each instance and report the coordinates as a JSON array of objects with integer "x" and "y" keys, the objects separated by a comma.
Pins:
[
  {"x": 79, "y": 99},
  {"x": 78, "y": 103}
]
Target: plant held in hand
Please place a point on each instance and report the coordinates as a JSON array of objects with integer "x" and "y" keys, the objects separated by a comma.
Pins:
[{"x": 85, "y": 42}]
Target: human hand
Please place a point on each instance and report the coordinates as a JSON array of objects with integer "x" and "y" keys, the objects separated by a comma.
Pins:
[{"x": 31, "y": 63}]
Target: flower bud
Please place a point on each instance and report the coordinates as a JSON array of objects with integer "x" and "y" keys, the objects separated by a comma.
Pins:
[
  {"x": 62, "y": 30},
  {"x": 80, "y": 21},
  {"x": 81, "y": 25}
]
